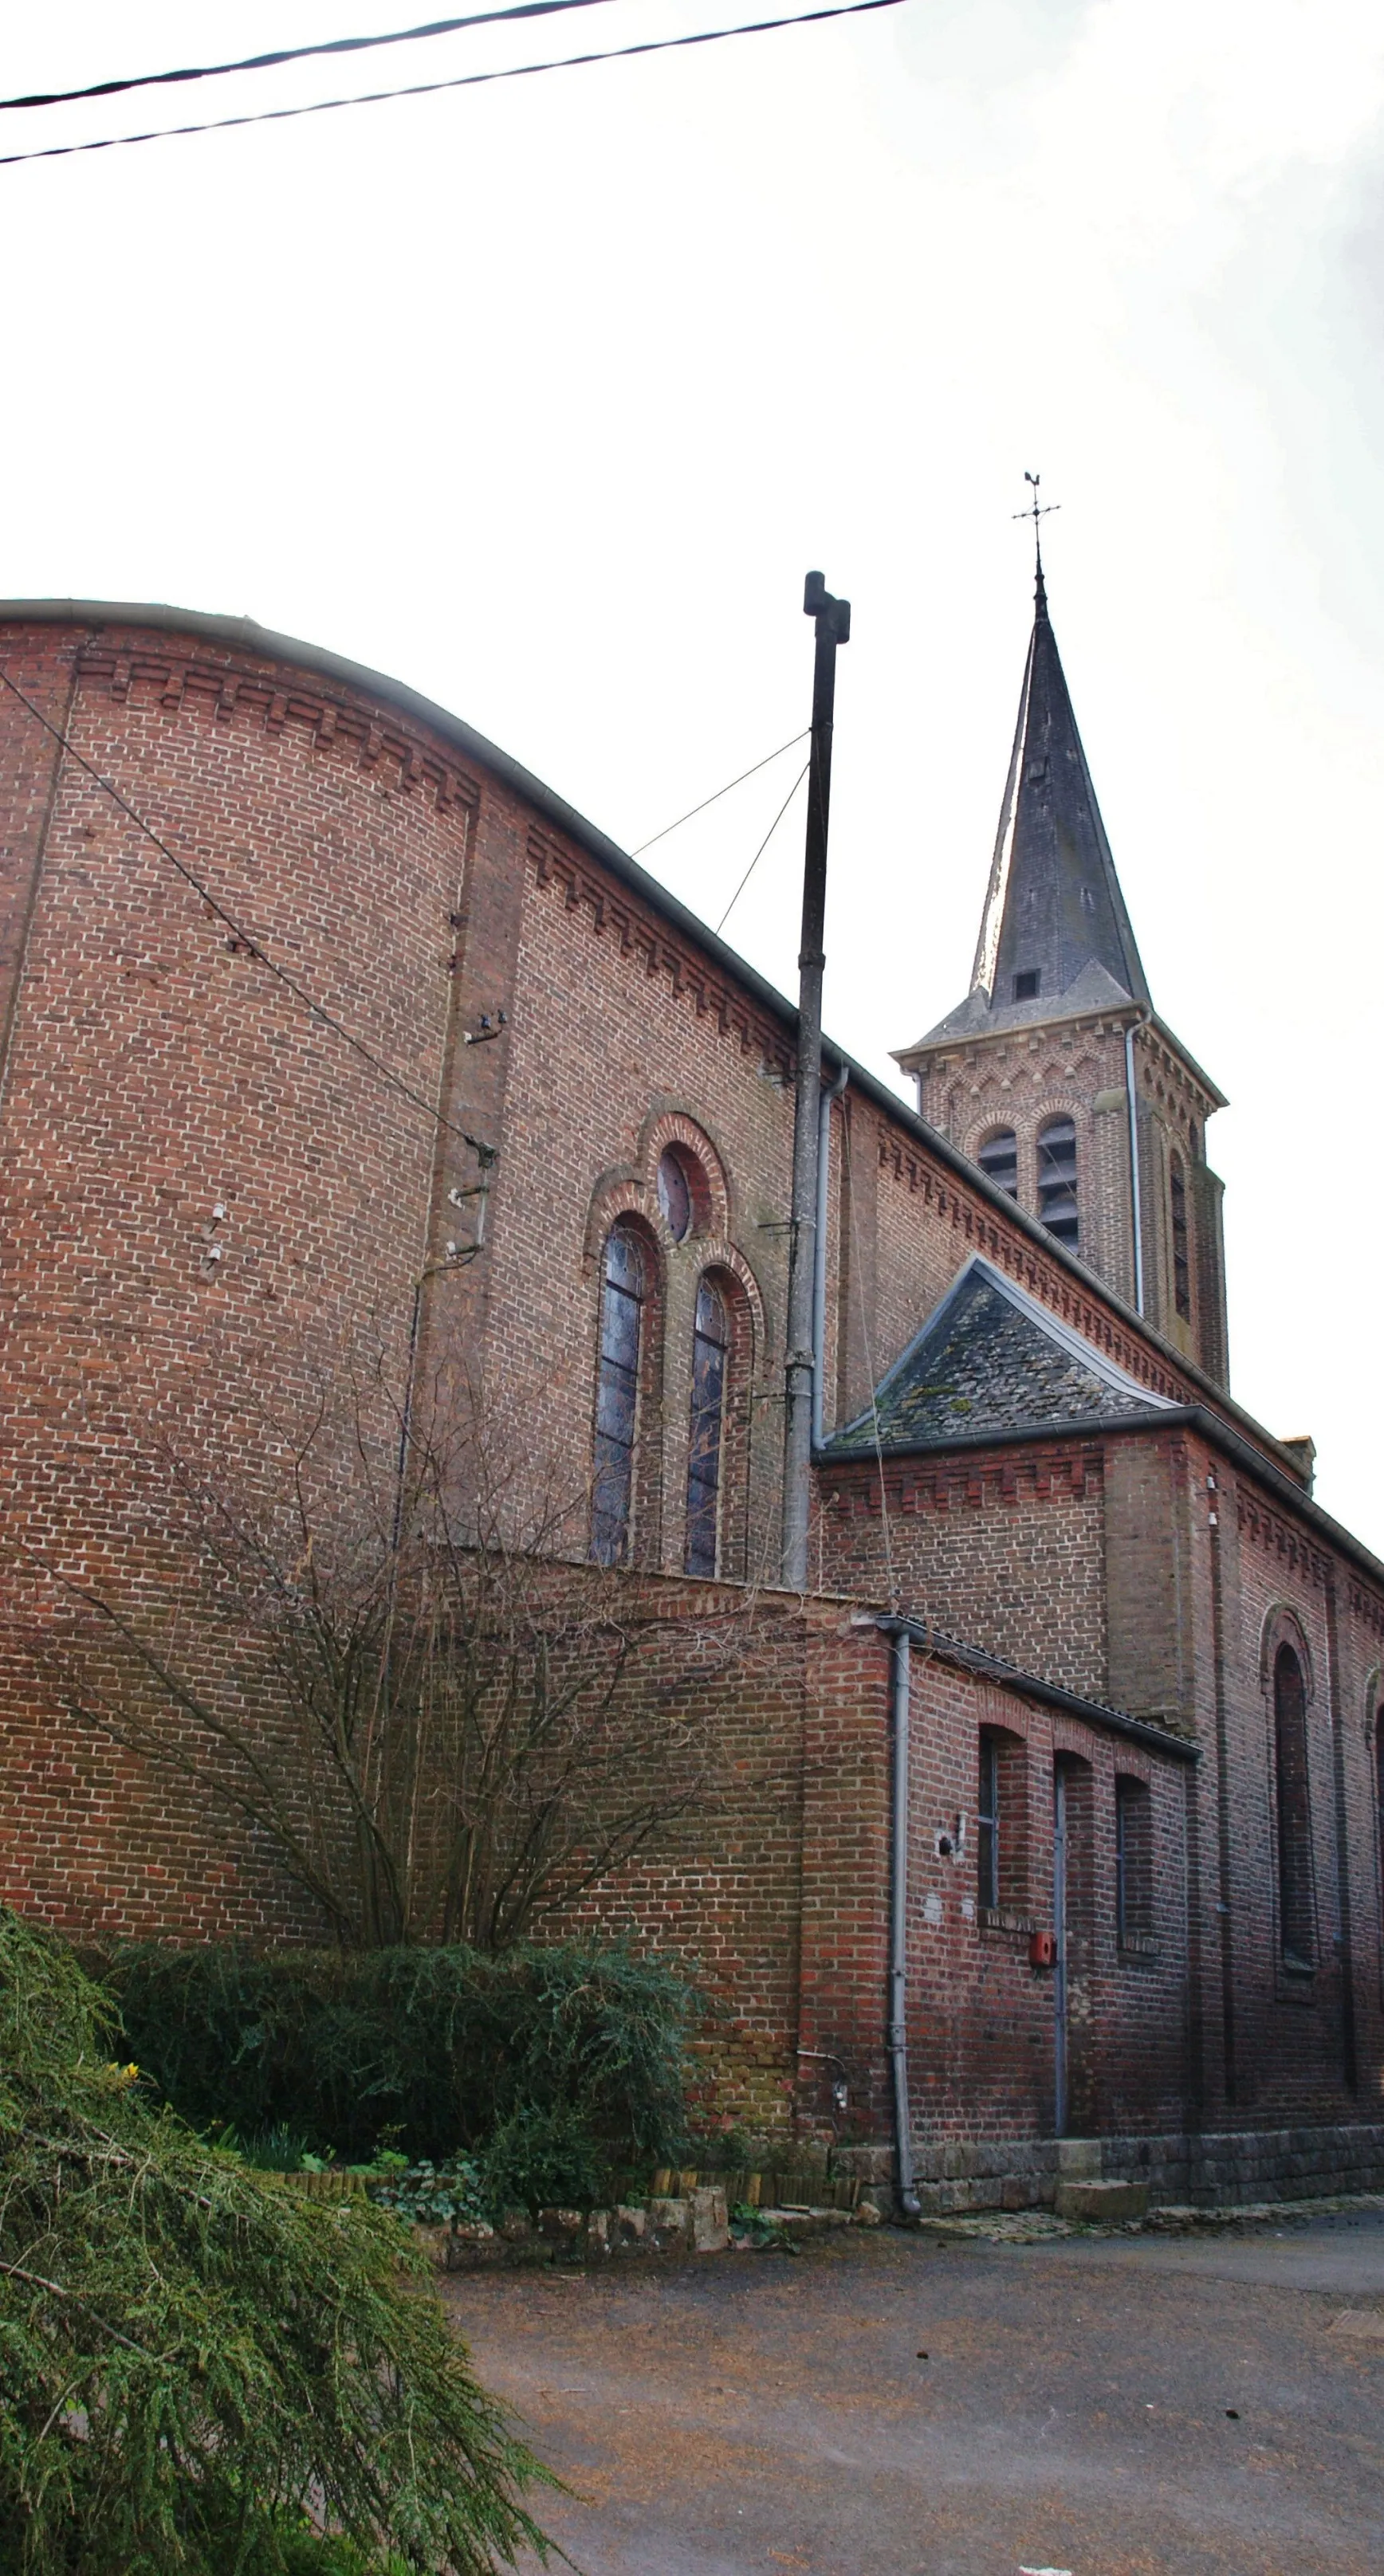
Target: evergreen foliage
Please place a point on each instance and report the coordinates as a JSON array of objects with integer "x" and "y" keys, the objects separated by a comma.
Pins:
[
  {"x": 542, "y": 2160},
  {"x": 191, "y": 2352},
  {"x": 432, "y": 2048}
]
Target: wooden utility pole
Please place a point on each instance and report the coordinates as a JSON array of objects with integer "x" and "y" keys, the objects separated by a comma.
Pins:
[{"x": 832, "y": 619}]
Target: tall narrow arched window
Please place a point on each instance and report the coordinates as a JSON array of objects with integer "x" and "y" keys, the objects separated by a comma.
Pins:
[
  {"x": 999, "y": 1160},
  {"x": 710, "y": 1345},
  {"x": 1057, "y": 1180},
  {"x": 1378, "y": 1725},
  {"x": 1296, "y": 1932},
  {"x": 624, "y": 1293},
  {"x": 1182, "y": 1268}
]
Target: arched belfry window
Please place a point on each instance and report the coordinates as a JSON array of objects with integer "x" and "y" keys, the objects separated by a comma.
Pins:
[
  {"x": 710, "y": 1350},
  {"x": 999, "y": 1160},
  {"x": 1182, "y": 1268},
  {"x": 1296, "y": 1929},
  {"x": 624, "y": 1296},
  {"x": 1057, "y": 1180}
]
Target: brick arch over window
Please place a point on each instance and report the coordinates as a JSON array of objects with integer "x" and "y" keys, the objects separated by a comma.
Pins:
[
  {"x": 1286, "y": 1677},
  {"x": 627, "y": 1415},
  {"x": 674, "y": 1131},
  {"x": 631, "y": 1189},
  {"x": 1283, "y": 1627}
]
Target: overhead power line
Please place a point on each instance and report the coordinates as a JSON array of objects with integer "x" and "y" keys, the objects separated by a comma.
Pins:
[
  {"x": 763, "y": 846},
  {"x": 720, "y": 792},
  {"x": 294, "y": 54},
  {"x": 243, "y": 937},
  {"x": 463, "y": 80}
]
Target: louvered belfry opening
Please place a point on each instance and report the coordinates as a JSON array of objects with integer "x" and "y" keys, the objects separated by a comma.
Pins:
[
  {"x": 1057, "y": 1180},
  {"x": 999, "y": 1160},
  {"x": 1182, "y": 1264}
]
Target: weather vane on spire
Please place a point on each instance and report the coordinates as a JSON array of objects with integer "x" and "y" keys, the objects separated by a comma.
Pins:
[{"x": 1035, "y": 513}]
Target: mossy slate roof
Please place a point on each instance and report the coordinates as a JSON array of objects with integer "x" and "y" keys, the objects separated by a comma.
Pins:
[{"x": 991, "y": 1359}]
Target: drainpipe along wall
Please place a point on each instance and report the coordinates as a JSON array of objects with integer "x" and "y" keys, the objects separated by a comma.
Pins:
[
  {"x": 819, "y": 1258},
  {"x": 1135, "y": 1182},
  {"x": 901, "y": 1680}
]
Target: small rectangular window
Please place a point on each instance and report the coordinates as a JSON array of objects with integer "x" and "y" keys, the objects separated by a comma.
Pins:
[
  {"x": 988, "y": 1822},
  {"x": 1133, "y": 1862},
  {"x": 1026, "y": 984}
]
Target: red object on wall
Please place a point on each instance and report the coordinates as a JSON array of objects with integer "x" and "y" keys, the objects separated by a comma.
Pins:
[{"x": 1042, "y": 1950}]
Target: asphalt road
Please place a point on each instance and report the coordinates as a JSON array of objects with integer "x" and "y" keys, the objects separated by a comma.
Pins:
[{"x": 747, "y": 2413}]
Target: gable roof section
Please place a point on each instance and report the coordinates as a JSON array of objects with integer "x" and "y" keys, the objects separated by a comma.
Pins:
[{"x": 991, "y": 1359}]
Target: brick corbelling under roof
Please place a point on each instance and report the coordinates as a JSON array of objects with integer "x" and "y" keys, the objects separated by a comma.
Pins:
[
  {"x": 230, "y": 688},
  {"x": 640, "y": 934},
  {"x": 1368, "y": 1607},
  {"x": 1268, "y": 1530},
  {"x": 947, "y": 1483}
]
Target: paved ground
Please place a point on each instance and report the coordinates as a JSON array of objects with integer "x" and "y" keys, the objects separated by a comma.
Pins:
[{"x": 752, "y": 2413}]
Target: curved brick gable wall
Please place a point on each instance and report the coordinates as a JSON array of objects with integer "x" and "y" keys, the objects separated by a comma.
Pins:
[{"x": 153, "y": 1072}]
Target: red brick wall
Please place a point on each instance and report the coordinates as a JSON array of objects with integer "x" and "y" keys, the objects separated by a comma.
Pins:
[
  {"x": 775, "y": 1894},
  {"x": 1003, "y": 1547},
  {"x": 153, "y": 1073}
]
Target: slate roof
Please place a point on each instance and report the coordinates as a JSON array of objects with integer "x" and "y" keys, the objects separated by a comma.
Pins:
[
  {"x": 991, "y": 1359},
  {"x": 1053, "y": 907}
]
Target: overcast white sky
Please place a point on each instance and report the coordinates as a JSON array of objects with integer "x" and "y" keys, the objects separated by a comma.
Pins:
[{"x": 543, "y": 397}]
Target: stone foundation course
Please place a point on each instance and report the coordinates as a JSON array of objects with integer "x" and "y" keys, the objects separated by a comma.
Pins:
[{"x": 1094, "y": 2178}]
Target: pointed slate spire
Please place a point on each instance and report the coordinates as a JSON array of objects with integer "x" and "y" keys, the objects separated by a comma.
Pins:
[
  {"x": 1055, "y": 938},
  {"x": 1054, "y": 908}
]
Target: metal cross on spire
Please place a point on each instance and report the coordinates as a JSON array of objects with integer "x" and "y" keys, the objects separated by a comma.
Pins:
[{"x": 1035, "y": 512}]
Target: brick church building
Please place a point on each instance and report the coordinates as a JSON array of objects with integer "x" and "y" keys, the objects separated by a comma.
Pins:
[{"x": 1071, "y": 1850}]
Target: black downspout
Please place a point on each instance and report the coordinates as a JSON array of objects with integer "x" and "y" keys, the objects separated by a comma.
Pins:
[
  {"x": 1349, "y": 2067},
  {"x": 909, "y": 2203},
  {"x": 1223, "y": 1874}
]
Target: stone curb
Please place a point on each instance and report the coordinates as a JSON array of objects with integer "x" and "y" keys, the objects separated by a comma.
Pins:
[{"x": 1031, "y": 2226}]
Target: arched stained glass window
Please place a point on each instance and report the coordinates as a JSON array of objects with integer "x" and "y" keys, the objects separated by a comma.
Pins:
[
  {"x": 1182, "y": 1268},
  {"x": 710, "y": 1348},
  {"x": 675, "y": 1194},
  {"x": 999, "y": 1160},
  {"x": 624, "y": 1290},
  {"x": 1296, "y": 1931},
  {"x": 1057, "y": 1180}
]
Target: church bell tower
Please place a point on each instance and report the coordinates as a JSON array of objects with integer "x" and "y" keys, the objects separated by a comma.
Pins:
[{"x": 1056, "y": 1074}]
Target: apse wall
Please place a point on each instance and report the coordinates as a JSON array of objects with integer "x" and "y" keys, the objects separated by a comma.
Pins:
[{"x": 206, "y": 1194}]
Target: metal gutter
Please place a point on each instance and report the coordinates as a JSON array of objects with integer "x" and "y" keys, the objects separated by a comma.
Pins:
[
  {"x": 975, "y": 1659},
  {"x": 241, "y": 634},
  {"x": 1094, "y": 1426}
]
